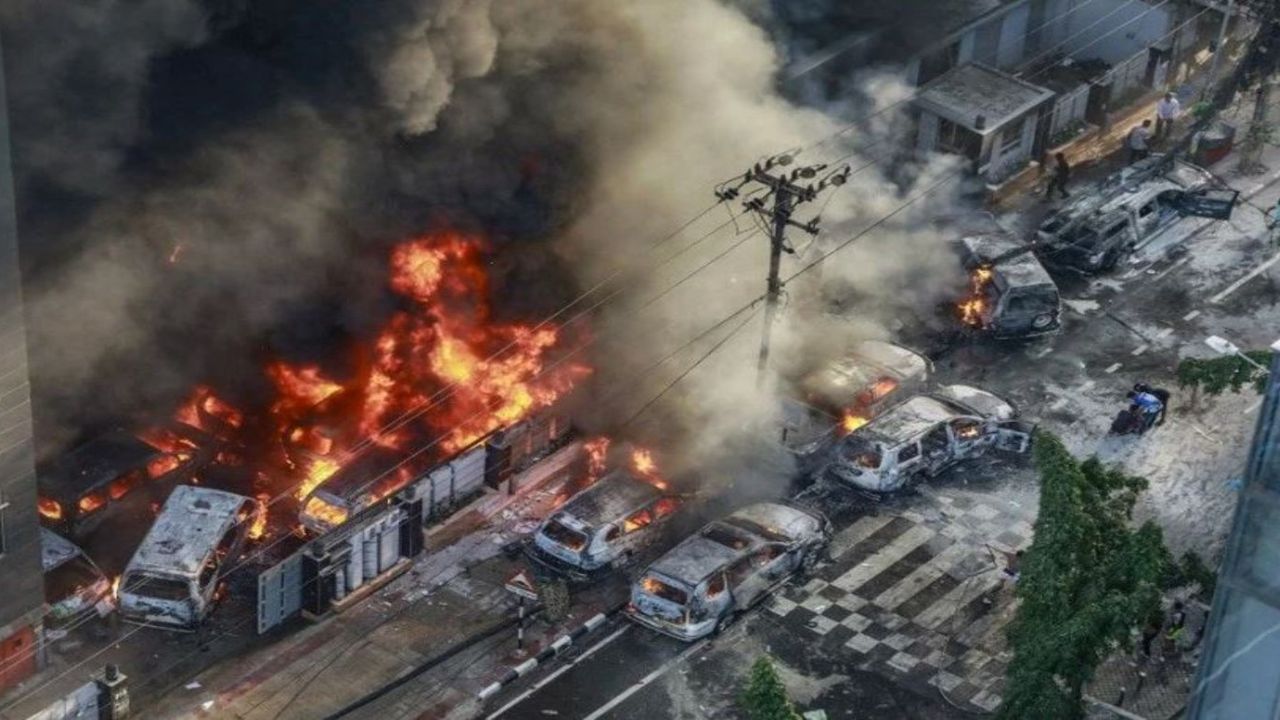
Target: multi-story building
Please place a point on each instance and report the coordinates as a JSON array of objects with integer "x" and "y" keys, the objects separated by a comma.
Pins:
[
  {"x": 1239, "y": 671},
  {"x": 21, "y": 579}
]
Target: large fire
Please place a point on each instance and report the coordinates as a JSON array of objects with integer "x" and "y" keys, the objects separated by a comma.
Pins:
[
  {"x": 440, "y": 372},
  {"x": 642, "y": 462},
  {"x": 973, "y": 306},
  {"x": 852, "y": 421}
]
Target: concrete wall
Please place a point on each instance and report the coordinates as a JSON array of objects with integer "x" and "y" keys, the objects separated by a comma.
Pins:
[
  {"x": 21, "y": 580},
  {"x": 1114, "y": 30}
]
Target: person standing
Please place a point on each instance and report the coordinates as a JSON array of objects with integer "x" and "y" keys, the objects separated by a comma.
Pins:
[
  {"x": 1167, "y": 111},
  {"x": 1137, "y": 141},
  {"x": 1059, "y": 176}
]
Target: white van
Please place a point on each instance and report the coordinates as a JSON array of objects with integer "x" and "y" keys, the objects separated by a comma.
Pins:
[
  {"x": 926, "y": 435},
  {"x": 704, "y": 582},
  {"x": 174, "y": 574}
]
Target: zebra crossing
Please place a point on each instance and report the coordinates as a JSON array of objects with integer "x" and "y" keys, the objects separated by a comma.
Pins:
[{"x": 920, "y": 594}]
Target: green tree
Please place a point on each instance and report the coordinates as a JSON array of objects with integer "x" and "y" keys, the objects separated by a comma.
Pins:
[
  {"x": 1086, "y": 581},
  {"x": 765, "y": 697},
  {"x": 1213, "y": 376}
]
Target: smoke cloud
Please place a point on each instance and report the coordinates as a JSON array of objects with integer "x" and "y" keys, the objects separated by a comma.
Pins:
[{"x": 273, "y": 150}]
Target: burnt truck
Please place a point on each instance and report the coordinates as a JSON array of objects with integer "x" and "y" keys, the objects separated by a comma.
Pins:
[
  {"x": 703, "y": 583},
  {"x": 602, "y": 527},
  {"x": 173, "y": 577},
  {"x": 838, "y": 396},
  {"x": 1099, "y": 229},
  {"x": 926, "y": 435},
  {"x": 1011, "y": 295}
]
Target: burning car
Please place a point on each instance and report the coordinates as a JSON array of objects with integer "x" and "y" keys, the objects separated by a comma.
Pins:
[
  {"x": 1097, "y": 230},
  {"x": 926, "y": 435},
  {"x": 844, "y": 394},
  {"x": 172, "y": 579},
  {"x": 1010, "y": 293},
  {"x": 704, "y": 582},
  {"x": 603, "y": 526},
  {"x": 73, "y": 584},
  {"x": 77, "y": 490}
]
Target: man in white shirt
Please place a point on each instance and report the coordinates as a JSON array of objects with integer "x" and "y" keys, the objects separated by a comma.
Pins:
[
  {"x": 1167, "y": 111},
  {"x": 1137, "y": 140}
]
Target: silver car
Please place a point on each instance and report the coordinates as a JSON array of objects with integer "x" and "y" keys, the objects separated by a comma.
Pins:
[{"x": 698, "y": 587}]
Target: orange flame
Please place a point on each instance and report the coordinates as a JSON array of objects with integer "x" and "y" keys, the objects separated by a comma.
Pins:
[
  {"x": 115, "y": 587},
  {"x": 259, "y": 527},
  {"x": 174, "y": 253},
  {"x": 642, "y": 462},
  {"x": 49, "y": 509},
  {"x": 851, "y": 422},
  {"x": 972, "y": 307},
  {"x": 597, "y": 450},
  {"x": 91, "y": 502}
]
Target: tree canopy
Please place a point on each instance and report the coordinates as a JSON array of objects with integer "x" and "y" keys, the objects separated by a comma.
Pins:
[
  {"x": 1086, "y": 581},
  {"x": 765, "y": 697},
  {"x": 1213, "y": 376}
]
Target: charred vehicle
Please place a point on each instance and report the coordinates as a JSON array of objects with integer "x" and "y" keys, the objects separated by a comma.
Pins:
[
  {"x": 1097, "y": 230},
  {"x": 74, "y": 587},
  {"x": 926, "y": 435},
  {"x": 602, "y": 527},
  {"x": 1010, "y": 293},
  {"x": 172, "y": 579},
  {"x": 704, "y": 582},
  {"x": 78, "y": 490},
  {"x": 844, "y": 394}
]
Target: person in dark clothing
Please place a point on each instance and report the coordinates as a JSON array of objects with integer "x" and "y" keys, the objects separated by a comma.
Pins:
[
  {"x": 1059, "y": 176},
  {"x": 1160, "y": 394},
  {"x": 1150, "y": 632},
  {"x": 1129, "y": 422}
]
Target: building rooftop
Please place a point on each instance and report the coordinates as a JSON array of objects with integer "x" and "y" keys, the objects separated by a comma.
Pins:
[{"x": 980, "y": 98}]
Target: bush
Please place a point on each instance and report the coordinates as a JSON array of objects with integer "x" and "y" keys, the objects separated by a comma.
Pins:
[{"x": 766, "y": 697}]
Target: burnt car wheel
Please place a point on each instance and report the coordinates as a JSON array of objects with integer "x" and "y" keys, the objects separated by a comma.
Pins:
[{"x": 1042, "y": 321}]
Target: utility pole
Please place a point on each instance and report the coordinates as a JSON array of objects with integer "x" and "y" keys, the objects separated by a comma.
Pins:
[{"x": 788, "y": 191}]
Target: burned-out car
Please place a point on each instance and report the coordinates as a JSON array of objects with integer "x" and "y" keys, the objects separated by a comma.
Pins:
[
  {"x": 926, "y": 435},
  {"x": 173, "y": 577},
  {"x": 74, "y": 587},
  {"x": 77, "y": 490},
  {"x": 700, "y": 585},
  {"x": 841, "y": 395},
  {"x": 602, "y": 527},
  {"x": 1010, "y": 293},
  {"x": 1098, "y": 229}
]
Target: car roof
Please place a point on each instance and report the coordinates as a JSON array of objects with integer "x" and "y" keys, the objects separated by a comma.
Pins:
[
  {"x": 907, "y": 420},
  {"x": 187, "y": 529},
  {"x": 94, "y": 464},
  {"x": 698, "y": 556},
  {"x": 55, "y": 549},
  {"x": 1018, "y": 270},
  {"x": 776, "y": 517},
  {"x": 1131, "y": 187},
  {"x": 840, "y": 380},
  {"x": 613, "y": 497}
]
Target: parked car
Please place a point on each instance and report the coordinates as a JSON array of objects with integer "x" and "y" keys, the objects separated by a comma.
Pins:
[
  {"x": 79, "y": 489},
  {"x": 926, "y": 435},
  {"x": 1101, "y": 227},
  {"x": 1011, "y": 294},
  {"x": 74, "y": 587},
  {"x": 602, "y": 527},
  {"x": 837, "y": 396},
  {"x": 704, "y": 582},
  {"x": 173, "y": 577}
]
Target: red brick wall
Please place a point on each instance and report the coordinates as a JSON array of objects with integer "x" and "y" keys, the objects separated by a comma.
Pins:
[{"x": 17, "y": 658}]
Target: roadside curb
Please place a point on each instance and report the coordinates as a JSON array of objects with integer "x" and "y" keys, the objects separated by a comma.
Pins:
[{"x": 548, "y": 652}]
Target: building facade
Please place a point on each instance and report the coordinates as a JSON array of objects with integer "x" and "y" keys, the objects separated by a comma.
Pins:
[
  {"x": 21, "y": 578},
  {"x": 1239, "y": 671}
]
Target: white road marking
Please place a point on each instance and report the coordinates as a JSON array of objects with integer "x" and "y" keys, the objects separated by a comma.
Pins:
[
  {"x": 1172, "y": 267},
  {"x": 1139, "y": 350},
  {"x": 1087, "y": 386},
  {"x": 560, "y": 671},
  {"x": 1239, "y": 283},
  {"x": 1191, "y": 315},
  {"x": 1059, "y": 404},
  {"x": 644, "y": 681},
  {"x": 1164, "y": 333},
  {"x": 1113, "y": 368},
  {"x": 1042, "y": 352},
  {"x": 901, "y": 546},
  {"x": 1254, "y": 408}
]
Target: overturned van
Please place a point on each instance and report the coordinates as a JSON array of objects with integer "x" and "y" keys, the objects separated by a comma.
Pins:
[
  {"x": 926, "y": 435},
  {"x": 195, "y": 540},
  {"x": 601, "y": 527},
  {"x": 1097, "y": 230},
  {"x": 700, "y": 585},
  {"x": 841, "y": 395},
  {"x": 1011, "y": 294}
]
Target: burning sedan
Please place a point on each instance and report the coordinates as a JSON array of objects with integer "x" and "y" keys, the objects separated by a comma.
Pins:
[
  {"x": 698, "y": 587},
  {"x": 73, "y": 584},
  {"x": 604, "y": 526},
  {"x": 924, "y": 436},
  {"x": 841, "y": 396},
  {"x": 1010, "y": 294}
]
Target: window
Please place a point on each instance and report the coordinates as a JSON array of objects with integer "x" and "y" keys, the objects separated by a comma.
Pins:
[
  {"x": 715, "y": 585},
  {"x": 1115, "y": 230},
  {"x": 160, "y": 588},
  {"x": 937, "y": 63},
  {"x": 638, "y": 520},
  {"x": 908, "y": 453},
  {"x": 1010, "y": 140},
  {"x": 951, "y": 137},
  {"x": 1147, "y": 209}
]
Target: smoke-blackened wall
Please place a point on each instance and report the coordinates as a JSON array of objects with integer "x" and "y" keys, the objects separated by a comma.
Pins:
[{"x": 196, "y": 179}]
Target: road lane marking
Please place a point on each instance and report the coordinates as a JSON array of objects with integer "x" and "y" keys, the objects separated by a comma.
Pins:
[
  {"x": 644, "y": 681},
  {"x": 1139, "y": 350},
  {"x": 1164, "y": 333},
  {"x": 1087, "y": 386},
  {"x": 559, "y": 671},
  {"x": 1113, "y": 368},
  {"x": 1191, "y": 315},
  {"x": 1239, "y": 283},
  {"x": 1042, "y": 352}
]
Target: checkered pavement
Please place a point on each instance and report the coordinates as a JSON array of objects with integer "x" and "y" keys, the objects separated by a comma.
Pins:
[{"x": 919, "y": 593}]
